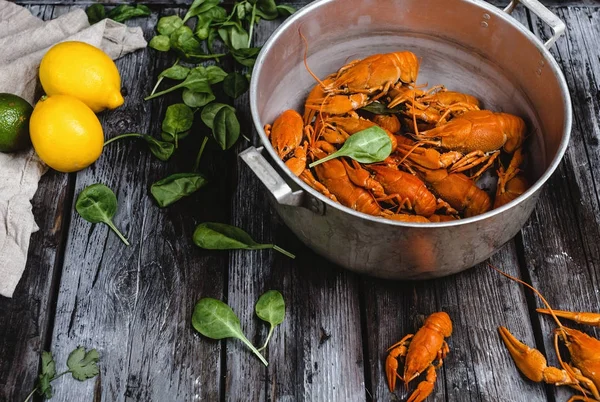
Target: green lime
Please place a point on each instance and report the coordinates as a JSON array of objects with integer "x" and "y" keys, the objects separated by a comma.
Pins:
[{"x": 14, "y": 123}]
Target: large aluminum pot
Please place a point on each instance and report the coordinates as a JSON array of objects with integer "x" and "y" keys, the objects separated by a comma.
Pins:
[{"x": 469, "y": 46}]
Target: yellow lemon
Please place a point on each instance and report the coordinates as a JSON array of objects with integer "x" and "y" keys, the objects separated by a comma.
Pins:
[
  {"x": 65, "y": 133},
  {"x": 83, "y": 71}
]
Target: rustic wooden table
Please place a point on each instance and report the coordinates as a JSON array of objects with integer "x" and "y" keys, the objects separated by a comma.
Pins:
[{"x": 82, "y": 286}]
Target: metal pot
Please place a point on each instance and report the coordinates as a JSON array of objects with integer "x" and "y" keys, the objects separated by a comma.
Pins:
[{"x": 469, "y": 46}]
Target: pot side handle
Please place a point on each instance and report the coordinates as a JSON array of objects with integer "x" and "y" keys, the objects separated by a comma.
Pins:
[
  {"x": 558, "y": 27},
  {"x": 270, "y": 178}
]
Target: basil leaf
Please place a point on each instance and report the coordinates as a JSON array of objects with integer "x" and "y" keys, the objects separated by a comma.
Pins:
[
  {"x": 125, "y": 12},
  {"x": 161, "y": 43},
  {"x": 235, "y": 84},
  {"x": 226, "y": 128},
  {"x": 209, "y": 112},
  {"x": 173, "y": 188},
  {"x": 285, "y": 11},
  {"x": 246, "y": 57},
  {"x": 197, "y": 99},
  {"x": 98, "y": 204},
  {"x": 168, "y": 25},
  {"x": 216, "y": 320},
  {"x": 82, "y": 364},
  {"x": 220, "y": 236},
  {"x": 176, "y": 72},
  {"x": 95, "y": 12},
  {"x": 366, "y": 146}
]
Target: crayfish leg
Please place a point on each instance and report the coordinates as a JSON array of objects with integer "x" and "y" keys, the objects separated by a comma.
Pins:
[{"x": 579, "y": 317}]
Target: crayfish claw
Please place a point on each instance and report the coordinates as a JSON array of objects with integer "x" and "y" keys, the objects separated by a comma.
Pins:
[{"x": 425, "y": 388}]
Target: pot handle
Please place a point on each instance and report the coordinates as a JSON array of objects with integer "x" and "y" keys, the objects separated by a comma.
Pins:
[
  {"x": 558, "y": 27},
  {"x": 270, "y": 178}
]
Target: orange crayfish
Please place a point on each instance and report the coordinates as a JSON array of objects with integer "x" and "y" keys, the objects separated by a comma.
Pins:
[
  {"x": 583, "y": 373},
  {"x": 421, "y": 350}
]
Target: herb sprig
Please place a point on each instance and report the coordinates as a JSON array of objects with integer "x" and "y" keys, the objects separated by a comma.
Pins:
[{"x": 82, "y": 365}]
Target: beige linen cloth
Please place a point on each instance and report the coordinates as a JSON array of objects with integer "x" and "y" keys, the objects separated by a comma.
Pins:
[{"x": 24, "y": 39}]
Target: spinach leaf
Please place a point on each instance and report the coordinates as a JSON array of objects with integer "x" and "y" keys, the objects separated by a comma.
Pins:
[
  {"x": 199, "y": 7},
  {"x": 173, "y": 188},
  {"x": 161, "y": 149},
  {"x": 215, "y": 74},
  {"x": 197, "y": 81},
  {"x": 285, "y": 11},
  {"x": 95, "y": 13},
  {"x": 226, "y": 128},
  {"x": 246, "y": 57},
  {"x": 162, "y": 43},
  {"x": 209, "y": 112},
  {"x": 178, "y": 120},
  {"x": 125, "y": 12},
  {"x": 270, "y": 307},
  {"x": 82, "y": 364},
  {"x": 266, "y": 9},
  {"x": 234, "y": 35},
  {"x": 205, "y": 19},
  {"x": 220, "y": 236},
  {"x": 216, "y": 320},
  {"x": 235, "y": 84},
  {"x": 168, "y": 25},
  {"x": 98, "y": 204},
  {"x": 197, "y": 99},
  {"x": 175, "y": 73},
  {"x": 366, "y": 146}
]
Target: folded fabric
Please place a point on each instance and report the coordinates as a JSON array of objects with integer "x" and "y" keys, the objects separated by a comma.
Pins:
[{"x": 24, "y": 39}]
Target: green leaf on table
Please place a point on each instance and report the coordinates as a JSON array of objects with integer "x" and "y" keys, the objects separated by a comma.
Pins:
[
  {"x": 226, "y": 128},
  {"x": 98, "y": 204},
  {"x": 173, "y": 188},
  {"x": 235, "y": 85},
  {"x": 162, "y": 43},
  {"x": 161, "y": 149},
  {"x": 82, "y": 364},
  {"x": 209, "y": 112},
  {"x": 175, "y": 72},
  {"x": 178, "y": 120},
  {"x": 270, "y": 307},
  {"x": 95, "y": 13},
  {"x": 48, "y": 373},
  {"x": 234, "y": 35},
  {"x": 220, "y": 236},
  {"x": 205, "y": 19},
  {"x": 215, "y": 74},
  {"x": 199, "y": 7},
  {"x": 212, "y": 35},
  {"x": 168, "y": 25},
  {"x": 285, "y": 11},
  {"x": 246, "y": 57},
  {"x": 197, "y": 80},
  {"x": 48, "y": 364},
  {"x": 216, "y": 320},
  {"x": 197, "y": 99},
  {"x": 366, "y": 146},
  {"x": 125, "y": 12},
  {"x": 266, "y": 9}
]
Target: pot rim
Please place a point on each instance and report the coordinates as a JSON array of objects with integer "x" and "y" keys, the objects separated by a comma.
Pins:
[{"x": 497, "y": 12}]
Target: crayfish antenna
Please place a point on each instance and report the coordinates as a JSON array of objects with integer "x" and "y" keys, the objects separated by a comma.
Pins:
[{"x": 306, "y": 62}]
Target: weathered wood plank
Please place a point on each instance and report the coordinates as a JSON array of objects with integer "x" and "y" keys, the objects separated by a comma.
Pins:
[
  {"x": 27, "y": 316},
  {"x": 316, "y": 354},
  {"x": 134, "y": 304},
  {"x": 561, "y": 243}
]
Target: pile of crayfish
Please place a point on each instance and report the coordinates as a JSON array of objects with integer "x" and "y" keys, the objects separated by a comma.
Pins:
[
  {"x": 442, "y": 143},
  {"x": 582, "y": 373}
]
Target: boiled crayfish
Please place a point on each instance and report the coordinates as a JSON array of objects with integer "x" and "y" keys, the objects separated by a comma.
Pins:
[
  {"x": 582, "y": 374},
  {"x": 420, "y": 351},
  {"x": 441, "y": 142}
]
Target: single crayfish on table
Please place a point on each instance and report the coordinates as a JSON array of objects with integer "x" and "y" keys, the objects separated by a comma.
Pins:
[
  {"x": 442, "y": 143},
  {"x": 419, "y": 352},
  {"x": 582, "y": 373}
]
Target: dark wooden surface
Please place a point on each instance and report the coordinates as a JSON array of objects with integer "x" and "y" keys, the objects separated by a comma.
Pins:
[{"x": 82, "y": 286}]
